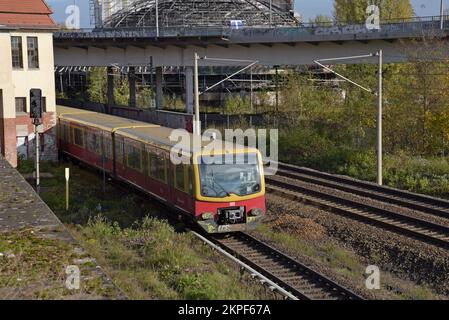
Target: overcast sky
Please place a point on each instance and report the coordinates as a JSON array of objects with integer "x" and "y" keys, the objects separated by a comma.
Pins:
[{"x": 307, "y": 8}]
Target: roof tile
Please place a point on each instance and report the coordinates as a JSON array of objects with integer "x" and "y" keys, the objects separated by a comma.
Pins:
[{"x": 25, "y": 13}]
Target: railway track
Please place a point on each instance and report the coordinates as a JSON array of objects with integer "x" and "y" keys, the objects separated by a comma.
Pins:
[
  {"x": 288, "y": 187},
  {"x": 284, "y": 274},
  {"x": 414, "y": 201}
]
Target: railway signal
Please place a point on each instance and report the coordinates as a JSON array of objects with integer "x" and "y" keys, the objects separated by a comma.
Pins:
[{"x": 36, "y": 116}]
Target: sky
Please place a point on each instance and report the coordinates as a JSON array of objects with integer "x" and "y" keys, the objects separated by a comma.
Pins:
[{"x": 307, "y": 8}]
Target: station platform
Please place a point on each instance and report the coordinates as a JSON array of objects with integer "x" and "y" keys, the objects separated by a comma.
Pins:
[{"x": 39, "y": 259}]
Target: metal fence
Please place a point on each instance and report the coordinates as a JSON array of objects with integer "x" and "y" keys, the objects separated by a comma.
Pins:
[{"x": 412, "y": 25}]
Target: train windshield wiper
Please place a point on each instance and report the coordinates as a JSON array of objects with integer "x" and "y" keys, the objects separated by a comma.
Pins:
[{"x": 218, "y": 184}]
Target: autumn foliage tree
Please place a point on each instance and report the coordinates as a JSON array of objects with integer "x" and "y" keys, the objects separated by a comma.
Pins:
[{"x": 355, "y": 11}]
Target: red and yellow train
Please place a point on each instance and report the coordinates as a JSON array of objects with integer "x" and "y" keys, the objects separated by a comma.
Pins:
[{"x": 220, "y": 197}]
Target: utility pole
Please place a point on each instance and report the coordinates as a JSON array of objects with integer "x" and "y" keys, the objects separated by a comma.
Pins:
[
  {"x": 277, "y": 88},
  {"x": 379, "y": 94},
  {"x": 271, "y": 13},
  {"x": 441, "y": 14},
  {"x": 157, "y": 18},
  {"x": 379, "y": 119},
  {"x": 196, "y": 122},
  {"x": 36, "y": 130}
]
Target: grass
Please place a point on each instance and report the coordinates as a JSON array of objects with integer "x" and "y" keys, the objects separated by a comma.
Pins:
[
  {"x": 34, "y": 268},
  {"x": 144, "y": 255},
  {"x": 304, "y": 147},
  {"x": 152, "y": 261},
  {"x": 345, "y": 263}
]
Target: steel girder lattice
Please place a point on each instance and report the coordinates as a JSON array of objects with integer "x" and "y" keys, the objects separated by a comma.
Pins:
[{"x": 199, "y": 13}]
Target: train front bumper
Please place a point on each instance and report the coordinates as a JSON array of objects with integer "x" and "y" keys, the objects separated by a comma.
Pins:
[{"x": 211, "y": 226}]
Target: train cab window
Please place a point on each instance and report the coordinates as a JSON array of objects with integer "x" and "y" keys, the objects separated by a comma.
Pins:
[
  {"x": 134, "y": 157},
  {"x": 78, "y": 137},
  {"x": 158, "y": 167}
]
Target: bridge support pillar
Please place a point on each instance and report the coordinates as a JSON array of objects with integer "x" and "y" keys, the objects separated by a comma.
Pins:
[
  {"x": 159, "y": 91},
  {"x": 132, "y": 87},
  {"x": 110, "y": 77},
  {"x": 189, "y": 89}
]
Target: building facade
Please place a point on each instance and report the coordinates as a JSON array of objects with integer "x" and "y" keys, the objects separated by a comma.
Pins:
[{"x": 26, "y": 62}]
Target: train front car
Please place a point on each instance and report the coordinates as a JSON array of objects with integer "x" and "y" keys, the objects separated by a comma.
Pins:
[{"x": 230, "y": 191}]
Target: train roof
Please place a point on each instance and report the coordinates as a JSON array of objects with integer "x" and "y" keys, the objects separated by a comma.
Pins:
[{"x": 136, "y": 130}]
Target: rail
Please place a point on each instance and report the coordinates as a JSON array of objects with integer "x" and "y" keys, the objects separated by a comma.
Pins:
[{"x": 282, "y": 273}]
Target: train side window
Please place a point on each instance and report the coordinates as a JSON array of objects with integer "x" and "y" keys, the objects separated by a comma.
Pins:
[
  {"x": 190, "y": 179},
  {"x": 158, "y": 167},
  {"x": 107, "y": 147},
  {"x": 78, "y": 137},
  {"x": 180, "y": 177},
  {"x": 119, "y": 150},
  {"x": 93, "y": 142},
  {"x": 66, "y": 133},
  {"x": 63, "y": 132},
  {"x": 134, "y": 157}
]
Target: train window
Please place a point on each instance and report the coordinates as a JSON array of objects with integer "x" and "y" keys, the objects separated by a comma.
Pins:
[
  {"x": 180, "y": 177},
  {"x": 190, "y": 179},
  {"x": 107, "y": 147},
  {"x": 93, "y": 142},
  {"x": 63, "y": 132},
  {"x": 78, "y": 137},
  {"x": 134, "y": 157},
  {"x": 66, "y": 133},
  {"x": 183, "y": 178},
  {"x": 119, "y": 150},
  {"x": 158, "y": 167}
]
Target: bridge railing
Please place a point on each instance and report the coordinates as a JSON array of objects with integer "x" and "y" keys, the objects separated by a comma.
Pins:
[{"x": 406, "y": 25}]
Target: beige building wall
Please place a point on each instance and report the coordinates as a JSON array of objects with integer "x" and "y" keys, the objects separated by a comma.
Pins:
[
  {"x": 6, "y": 76},
  {"x": 42, "y": 78},
  {"x": 17, "y": 134}
]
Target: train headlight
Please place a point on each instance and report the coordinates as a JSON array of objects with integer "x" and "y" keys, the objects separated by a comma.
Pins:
[
  {"x": 256, "y": 212},
  {"x": 207, "y": 216}
]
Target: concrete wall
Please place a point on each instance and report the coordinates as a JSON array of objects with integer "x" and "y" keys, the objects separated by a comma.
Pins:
[
  {"x": 17, "y": 132},
  {"x": 275, "y": 54}
]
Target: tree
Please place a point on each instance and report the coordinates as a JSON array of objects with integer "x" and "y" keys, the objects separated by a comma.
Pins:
[
  {"x": 321, "y": 20},
  {"x": 355, "y": 11}
]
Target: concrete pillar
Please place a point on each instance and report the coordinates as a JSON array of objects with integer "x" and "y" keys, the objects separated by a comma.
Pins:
[
  {"x": 132, "y": 87},
  {"x": 159, "y": 91},
  {"x": 110, "y": 77},
  {"x": 189, "y": 89}
]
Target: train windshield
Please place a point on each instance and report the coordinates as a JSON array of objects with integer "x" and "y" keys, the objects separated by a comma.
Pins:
[{"x": 221, "y": 177}]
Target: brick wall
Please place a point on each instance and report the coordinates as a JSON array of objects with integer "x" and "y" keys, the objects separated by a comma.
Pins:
[{"x": 21, "y": 130}]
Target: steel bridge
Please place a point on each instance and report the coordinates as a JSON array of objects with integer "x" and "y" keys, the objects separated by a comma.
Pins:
[{"x": 269, "y": 45}]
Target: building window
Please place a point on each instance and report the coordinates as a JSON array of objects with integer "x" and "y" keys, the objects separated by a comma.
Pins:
[
  {"x": 44, "y": 104},
  {"x": 33, "y": 52},
  {"x": 16, "y": 51},
  {"x": 21, "y": 105}
]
